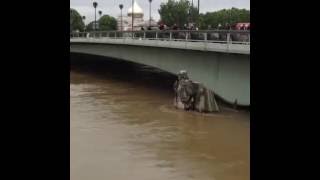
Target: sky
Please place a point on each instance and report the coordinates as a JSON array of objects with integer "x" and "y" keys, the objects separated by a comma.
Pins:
[{"x": 111, "y": 7}]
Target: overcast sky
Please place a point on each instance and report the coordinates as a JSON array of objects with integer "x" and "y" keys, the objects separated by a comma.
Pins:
[{"x": 111, "y": 7}]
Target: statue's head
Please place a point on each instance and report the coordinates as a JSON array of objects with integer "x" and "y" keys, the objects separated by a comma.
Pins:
[{"x": 183, "y": 75}]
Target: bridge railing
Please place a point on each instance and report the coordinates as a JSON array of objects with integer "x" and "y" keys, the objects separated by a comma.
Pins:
[{"x": 209, "y": 36}]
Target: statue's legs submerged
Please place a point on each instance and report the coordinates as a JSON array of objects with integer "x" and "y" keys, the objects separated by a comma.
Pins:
[
  {"x": 204, "y": 101},
  {"x": 178, "y": 103}
]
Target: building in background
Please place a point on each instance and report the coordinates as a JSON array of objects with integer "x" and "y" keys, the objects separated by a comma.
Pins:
[{"x": 138, "y": 21}]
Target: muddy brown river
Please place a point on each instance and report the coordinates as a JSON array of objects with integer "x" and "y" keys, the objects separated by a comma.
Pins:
[{"x": 124, "y": 127}]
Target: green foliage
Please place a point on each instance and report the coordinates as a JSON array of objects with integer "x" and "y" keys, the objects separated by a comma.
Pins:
[
  {"x": 181, "y": 12},
  {"x": 90, "y": 26},
  {"x": 76, "y": 22},
  {"x": 107, "y": 23},
  {"x": 223, "y": 17},
  {"x": 194, "y": 16},
  {"x": 177, "y": 12}
]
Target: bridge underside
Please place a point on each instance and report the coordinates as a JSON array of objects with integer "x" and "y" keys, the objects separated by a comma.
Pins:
[{"x": 227, "y": 74}]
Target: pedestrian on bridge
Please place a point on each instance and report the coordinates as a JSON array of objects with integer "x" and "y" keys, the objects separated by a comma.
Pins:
[
  {"x": 175, "y": 27},
  {"x": 161, "y": 27},
  {"x": 175, "y": 35},
  {"x": 185, "y": 27}
]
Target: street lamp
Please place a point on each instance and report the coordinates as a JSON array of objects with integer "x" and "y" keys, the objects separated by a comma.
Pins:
[
  {"x": 100, "y": 13},
  {"x": 95, "y": 4},
  {"x": 191, "y": 13},
  {"x": 150, "y": 1},
  {"x": 121, "y": 7},
  {"x": 84, "y": 18},
  {"x": 198, "y": 23},
  {"x": 198, "y": 7},
  {"x": 230, "y": 19},
  {"x": 132, "y": 17}
]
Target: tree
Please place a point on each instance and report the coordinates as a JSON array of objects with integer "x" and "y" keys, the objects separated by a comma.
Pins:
[
  {"x": 107, "y": 23},
  {"x": 90, "y": 26},
  {"x": 193, "y": 15},
  {"x": 201, "y": 22},
  {"x": 76, "y": 21},
  {"x": 177, "y": 12},
  {"x": 224, "y": 17}
]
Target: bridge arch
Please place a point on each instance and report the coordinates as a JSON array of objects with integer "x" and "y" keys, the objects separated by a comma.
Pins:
[{"x": 227, "y": 74}]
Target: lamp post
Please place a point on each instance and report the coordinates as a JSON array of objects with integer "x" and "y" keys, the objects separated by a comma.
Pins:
[
  {"x": 100, "y": 13},
  {"x": 84, "y": 18},
  {"x": 191, "y": 13},
  {"x": 95, "y": 4},
  {"x": 121, "y": 7},
  {"x": 230, "y": 18},
  {"x": 150, "y": 1},
  {"x": 132, "y": 17},
  {"x": 198, "y": 7}
]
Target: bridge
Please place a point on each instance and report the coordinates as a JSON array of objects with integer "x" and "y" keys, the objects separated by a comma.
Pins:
[{"x": 218, "y": 59}]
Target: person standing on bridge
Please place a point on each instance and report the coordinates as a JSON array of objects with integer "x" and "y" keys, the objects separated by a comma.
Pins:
[
  {"x": 175, "y": 27},
  {"x": 161, "y": 27},
  {"x": 185, "y": 27},
  {"x": 175, "y": 35}
]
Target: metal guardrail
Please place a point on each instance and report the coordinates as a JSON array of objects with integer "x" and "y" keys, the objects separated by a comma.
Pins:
[{"x": 207, "y": 36}]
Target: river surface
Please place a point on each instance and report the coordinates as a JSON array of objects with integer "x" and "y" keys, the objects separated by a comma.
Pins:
[{"x": 124, "y": 127}]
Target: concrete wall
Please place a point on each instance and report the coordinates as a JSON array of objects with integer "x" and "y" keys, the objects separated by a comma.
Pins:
[{"x": 228, "y": 75}]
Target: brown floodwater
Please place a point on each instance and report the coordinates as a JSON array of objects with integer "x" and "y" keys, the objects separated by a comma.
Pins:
[{"x": 123, "y": 126}]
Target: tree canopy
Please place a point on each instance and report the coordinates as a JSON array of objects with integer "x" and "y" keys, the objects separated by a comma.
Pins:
[
  {"x": 224, "y": 17},
  {"x": 76, "y": 21},
  {"x": 107, "y": 23},
  {"x": 181, "y": 12},
  {"x": 90, "y": 26},
  {"x": 177, "y": 12}
]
